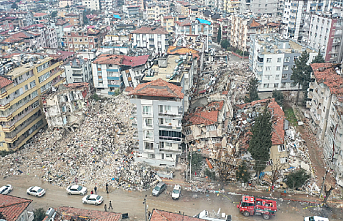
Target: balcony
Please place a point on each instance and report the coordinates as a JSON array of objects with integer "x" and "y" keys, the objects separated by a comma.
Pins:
[
  {"x": 10, "y": 126},
  {"x": 177, "y": 139}
]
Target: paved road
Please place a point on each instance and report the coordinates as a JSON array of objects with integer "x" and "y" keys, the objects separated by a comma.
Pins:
[{"x": 131, "y": 202}]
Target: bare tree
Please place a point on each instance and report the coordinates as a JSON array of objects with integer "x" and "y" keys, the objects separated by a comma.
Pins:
[{"x": 327, "y": 193}]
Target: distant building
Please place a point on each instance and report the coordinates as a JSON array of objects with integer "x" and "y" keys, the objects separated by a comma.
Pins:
[
  {"x": 91, "y": 4},
  {"x": 159, "y": 111},
  {"x": 82, "y": 39},
  {"x": 153, "y": 38},
  {"x": 15, "y": 208},
  {"x": 158, "y": 215},
  {"x": 271, "y": 59},
  {"x": 78, "y": 70},
  {"x": 65, "y": 108},
  {"x": 65, "y": 3},
  {"x": 74, "y": 19},
  {"x": 154, "y": 11},
  {"x": 131, "y": 10}
]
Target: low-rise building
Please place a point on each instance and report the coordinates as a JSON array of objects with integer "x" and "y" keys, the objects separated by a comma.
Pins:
[
  {"x": 65, "y": 108},
  {"x": 271, "y": 59},
  {"x": 91, "y": 4},
  {"x": 326, "y": 110},
  {"x": 153, "y": 11},
  {"x": 78, "y": 70},
  {"x": 15, "y": 208},
  {"x": 158, "y": 115},
  {"x": 153, "y": 38},
  {"x": 78, "y": 39}
]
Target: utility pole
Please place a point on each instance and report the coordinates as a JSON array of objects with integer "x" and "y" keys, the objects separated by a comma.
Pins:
[
  {"x": 186, "y": 162},
  {"x": 190, "y": 167},
  {"x": 145, "y": 208}
]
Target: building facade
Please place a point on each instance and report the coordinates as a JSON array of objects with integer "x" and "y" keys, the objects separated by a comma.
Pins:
[
  {"x": 158, "y": 115},
  {"x": 153, "y": 38},
  {"x": 78, "y": 70},
  {"x": 91, "y": 4}
]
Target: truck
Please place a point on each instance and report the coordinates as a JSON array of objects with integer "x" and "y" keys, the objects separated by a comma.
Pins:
[{"x": 250, "y": 206}]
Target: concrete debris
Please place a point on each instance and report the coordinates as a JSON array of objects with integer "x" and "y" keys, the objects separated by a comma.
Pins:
[{"x": 100, "y": 151}]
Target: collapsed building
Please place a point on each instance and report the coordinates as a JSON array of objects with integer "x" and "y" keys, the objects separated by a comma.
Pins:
[
  {"x": 66, "y": 107},
  {"x": 242, "y": 122}
]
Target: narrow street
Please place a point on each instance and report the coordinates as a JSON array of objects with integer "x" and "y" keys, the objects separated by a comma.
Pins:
[{"x": 132, "y": 202}]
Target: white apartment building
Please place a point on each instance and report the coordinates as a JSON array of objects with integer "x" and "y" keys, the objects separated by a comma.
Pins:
[
  {"x": 157, "y": 116},
  {"x": 154, "y": 11},
  {"x": 325, "y": 34},
  {"x": 78, "y": 70},
  {"x": 153, "y": 38},
  {"x": 271, "y": 59},
  {"x": 326, "y": 110},
  {"x": 91, "y": 4}
]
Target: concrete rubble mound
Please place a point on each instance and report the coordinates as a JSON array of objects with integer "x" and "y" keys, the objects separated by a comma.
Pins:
[{"x": 98, "y": 152}]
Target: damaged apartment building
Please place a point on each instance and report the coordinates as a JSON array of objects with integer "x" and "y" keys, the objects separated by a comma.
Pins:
[
  {"x": 66, "y": 107},
  {"x": 205, "y": 127},
  {"x": 243, "y": 119}
]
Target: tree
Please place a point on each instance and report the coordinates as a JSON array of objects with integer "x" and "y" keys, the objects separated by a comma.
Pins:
[
  {"x": 327, "y": 193},
  {"x": 242, "y": 173},
  {"x": 261, "y": 140},
  {"x": 84, "y": 17},
  {"x": 225, "y": 44},
  {"x": 14, "y": 6},
  {"x": 296, "y": 179},
  {"x": 319, "y": 58},
  {"x": 196, "y": 160},
  {"x": 278, "y": 95},
  {"x": 301, "y": 73},
  {"x": 39, "y": 214},
  {"x": 252, "y": 89},
  {"x": 219, "y": 36},
  {"x": 53, "y": 14}
]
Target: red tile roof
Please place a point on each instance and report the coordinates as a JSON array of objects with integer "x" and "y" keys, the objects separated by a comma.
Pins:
[
  {"x": 109, "y": 59},
  {"x": 39, "y": 14},
  {"x": 183, "y": 3},
  {"x": 160, "y": 215},
  {"x": 184, "y": 23},
  {"x": 150, "y": 30},
  {"x": 205, "y": 115},
  {"x": 182, "y": 51},
  {"x": 135, "y": 61},
  {"x": 325, "y": 73},
  {"x": 69, "y": 213},
  {"x": 4, "y": 82},
  {"x": 12, "y": 207},
  {"x": 254, "y": 24},
  {"x": 158, "y": 88}
]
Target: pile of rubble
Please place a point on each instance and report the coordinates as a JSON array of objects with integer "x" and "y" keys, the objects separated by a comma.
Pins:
[{"x": 99, "y": 152}]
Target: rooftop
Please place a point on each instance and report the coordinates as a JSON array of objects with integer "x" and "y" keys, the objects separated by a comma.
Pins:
[
  {"x": 160, "y": 215},
  {"x": 325, "y": 73},
  {"x": 182, "y": 51},
  {"x": 12, "y": 207},
  {"x": 39, "y": 14},
  {"x": 158, "y": 88},
  {"x": 109, "y": 59},
  {"x": 4, "y": 82},
  {"x": 150, "y": 30},
  {"x": 205, "y": 115},
  {"x": 135, "y": 60},
  {"x": 70, "y": 213}
]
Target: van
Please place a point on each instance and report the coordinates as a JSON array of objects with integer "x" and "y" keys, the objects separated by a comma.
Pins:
[{"x": 159, "y": 188}]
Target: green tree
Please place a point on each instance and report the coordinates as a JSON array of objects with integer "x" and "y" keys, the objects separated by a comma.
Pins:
[
  {"x": 225, "y": 44},
  {"x": 278, "y": 95},
  {"x": 53, "y": 14},
  {"x": 219, "y": 36},
  {"x": 196, "y": 160},
  {"x": 39, "y": 214},
  {"x": 319, "y": 58},
  {"x": 252, "y": 90},
  {"x": 14, "y": 6},
  {"x": 296, "y": 179},
  {"x": 84, "y": 17},
  {"x": 301, "y": 73},
  {"x": 242, "y": 173},
  {"x": 261, "y": 140}
]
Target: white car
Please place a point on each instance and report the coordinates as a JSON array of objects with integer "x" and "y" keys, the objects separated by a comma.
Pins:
[
  {"x": 176, "y": 192},
  {"x": 6, "y": 189},
  {"x": 76, "y": 190},
  {"x": 92, "y": 199},
  {"x": 35, "y": 191},
  {"x": 315, "y": 218}
]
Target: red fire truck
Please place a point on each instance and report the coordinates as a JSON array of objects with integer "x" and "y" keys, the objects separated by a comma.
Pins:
[{"x": 250, "y": 206}]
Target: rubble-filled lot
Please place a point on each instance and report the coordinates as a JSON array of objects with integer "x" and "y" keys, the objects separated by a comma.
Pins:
[{"x": 99, "y": 152}]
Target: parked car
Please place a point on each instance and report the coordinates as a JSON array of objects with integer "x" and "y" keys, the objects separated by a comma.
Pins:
[
  {"x": 35, "y": 191},
  {"x": 92, "y": 199},
  {"x": 176, "y": 192},
  {"x": 159, "y": 188},
  {"x": 76, "y": 190},
  {"x": 6, "y": 189},
  {"x": 315, "y": 218}
]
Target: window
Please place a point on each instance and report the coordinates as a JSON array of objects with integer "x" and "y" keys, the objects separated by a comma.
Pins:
[
  {"x": 151, "y": 156},
  {"x": 283, "y": 160},
  {"x": 148, "y": 146},
  {"x": 269, "y": 60},
  {"x": 188, "y": 131},
  {"x": 167, "y": 108},
  {"x": 278, "y": 59},
  {"x": 211, "y": 127},
  {"x": 169, "y": 155},
  {"x": 168, "y": 144},
  {"x": 148, "y": 122},
  {"x": 295, "y": 58},
  {"x": 268, "y": 68},
  {"x": 265, "y": 85},
  {"x": 284, "y": 76},
  {"x": 278, "y": 68},
  {"x": 147, "y": 110},
  {"x": 32, "y": 84},
  {"x": 285, "y": 67},
  {"x": 168, "y": 121},
  {"x": 287, "y": 59},
  {"x": 149, "y": 134},
  {"x": 276, "y": 85},
  {"x": 277, "y": 77}
]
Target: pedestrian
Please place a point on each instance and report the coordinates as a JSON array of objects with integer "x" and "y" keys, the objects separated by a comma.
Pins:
[
  {"x": 106, "y": 187},
  {"x": 105, "y": 207},
  {"x": 92, "y": 192},
  {"x": 110, "y": 205},
  {"x": 95, "y": 189}
]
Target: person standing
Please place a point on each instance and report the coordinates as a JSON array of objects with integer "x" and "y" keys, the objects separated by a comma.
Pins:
[
  {"x": 95, "y": 189},
  {"x": 110, "y": 205},
  {"x": 106, "y": 187},
  {"x": 105, "y": 207}
]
